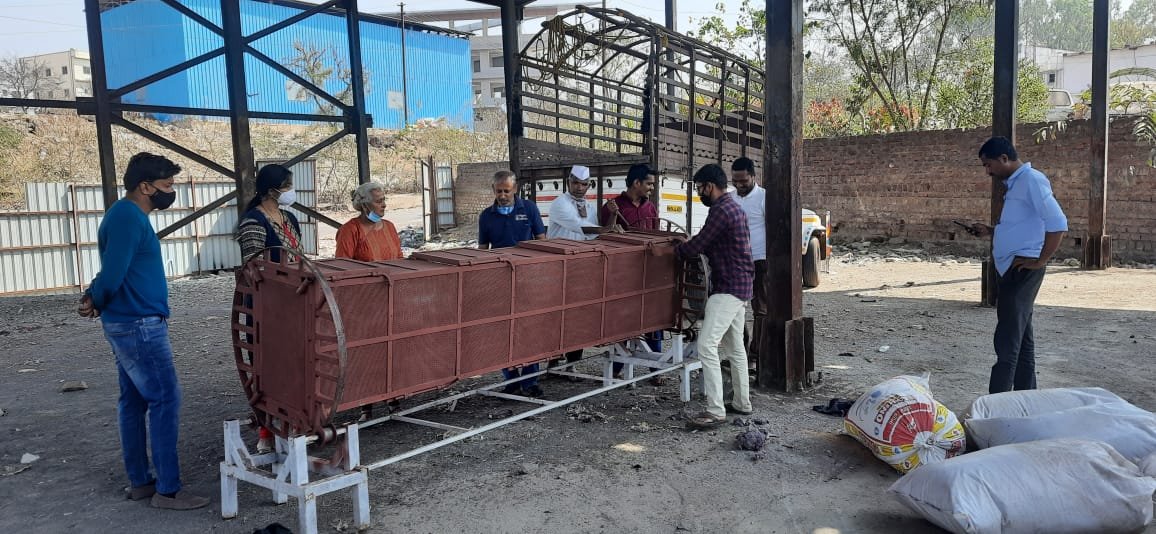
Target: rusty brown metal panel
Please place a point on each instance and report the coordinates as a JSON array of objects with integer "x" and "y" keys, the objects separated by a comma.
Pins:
[{"x": 314, "y": 336}]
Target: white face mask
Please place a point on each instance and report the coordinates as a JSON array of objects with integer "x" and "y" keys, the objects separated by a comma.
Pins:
[{"x": 287, "y": 198}]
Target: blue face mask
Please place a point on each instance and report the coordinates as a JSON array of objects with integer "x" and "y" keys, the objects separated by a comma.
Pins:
[
  {"x": 373, "y": 217},
  {"x": 505, "y": 210}
]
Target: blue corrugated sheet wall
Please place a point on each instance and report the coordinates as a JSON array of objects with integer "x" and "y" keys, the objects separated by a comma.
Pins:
[{"x": 145, "y": 36}]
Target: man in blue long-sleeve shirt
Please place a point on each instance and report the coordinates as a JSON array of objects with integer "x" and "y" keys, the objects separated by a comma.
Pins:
[
  {"x": 130, "y": 295},
  {"x": 726, "y": 242}
]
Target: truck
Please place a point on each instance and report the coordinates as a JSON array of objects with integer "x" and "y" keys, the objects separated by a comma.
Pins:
[{"x": 674, "y": 206}]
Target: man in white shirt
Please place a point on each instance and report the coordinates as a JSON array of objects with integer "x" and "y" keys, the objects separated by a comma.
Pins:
[
  {"x": 753, "y": 199},
  {"x": 571, "y": 215}
]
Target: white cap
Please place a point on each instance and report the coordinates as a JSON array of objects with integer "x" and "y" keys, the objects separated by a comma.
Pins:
[{"x": 580, "y": 172}]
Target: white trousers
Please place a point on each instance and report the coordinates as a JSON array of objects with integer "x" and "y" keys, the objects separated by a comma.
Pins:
[{"x": 721, "y": 336}]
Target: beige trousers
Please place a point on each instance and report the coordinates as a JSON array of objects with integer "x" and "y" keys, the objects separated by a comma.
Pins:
[{"x": 721, "y": 336}]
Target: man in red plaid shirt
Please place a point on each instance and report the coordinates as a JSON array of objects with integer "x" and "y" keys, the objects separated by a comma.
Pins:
[{"x": 725, "y": 240}]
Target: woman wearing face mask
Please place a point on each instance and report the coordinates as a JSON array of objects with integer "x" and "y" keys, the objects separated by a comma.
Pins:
[
  {"x": 368, "y": 237},
  {"x": 266, "y": 224}
]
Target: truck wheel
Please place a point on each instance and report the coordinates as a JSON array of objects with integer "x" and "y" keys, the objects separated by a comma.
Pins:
[{"x": 811, "y": 264}]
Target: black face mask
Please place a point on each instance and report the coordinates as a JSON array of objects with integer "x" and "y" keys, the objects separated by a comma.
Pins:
[
  {"x": 162, "y": 200},
  {"x": 706, "y": 201}
]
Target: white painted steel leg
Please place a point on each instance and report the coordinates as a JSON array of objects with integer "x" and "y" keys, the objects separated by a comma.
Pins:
[
  {"x": 280, "y": 469},
  {"x": 361, "y": 490},
  {"x": 298, "y": 465},
  {"x": 684, "y": 386},
  {"x": 228, "y": 481}
]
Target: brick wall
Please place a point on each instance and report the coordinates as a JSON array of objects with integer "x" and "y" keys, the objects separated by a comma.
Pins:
[
  {"x": 912, "y": 185},
  {"x": 472, "y": 191}
]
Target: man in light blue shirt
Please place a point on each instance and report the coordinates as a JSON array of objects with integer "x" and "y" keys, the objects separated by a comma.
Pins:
[{"x": 1030, "y": 229}]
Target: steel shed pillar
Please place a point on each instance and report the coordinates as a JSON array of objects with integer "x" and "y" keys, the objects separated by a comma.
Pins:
[
  {"x": 1098, "y": 244},
  {"x": 783, "y": 343}
]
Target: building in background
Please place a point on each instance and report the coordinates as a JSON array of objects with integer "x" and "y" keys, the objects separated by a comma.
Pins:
[
  {"x": 488, "y": 73},
  {"x": 143, "y": 37},
  {"x": 68, "y": 73}
]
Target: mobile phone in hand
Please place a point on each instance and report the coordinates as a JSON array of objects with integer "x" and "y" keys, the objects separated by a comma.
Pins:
[{"x": 966, "y": 227}]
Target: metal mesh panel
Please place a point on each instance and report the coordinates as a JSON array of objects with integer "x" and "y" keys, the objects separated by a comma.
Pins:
[
  {"x": 425, "y": 302},
  {"x": 539, "y": 285},
  {"x": 625, "y": 272},
  {"x": 582, "y": 326},
  {"x": 362, "y": 300},
  {"x": 537, "y": 334},
  {"x": 658, "y": 310},
  {"x": 424, "y": 360},
  {"x": 367, "y": 371},
  {"x": 622, "y": 318},
  {"x": 485, "y": 347},
  {"x": 585, "y": 278},
  {"x": 486, "y": 293}
]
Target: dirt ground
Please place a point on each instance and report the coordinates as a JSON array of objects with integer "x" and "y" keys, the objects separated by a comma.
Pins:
[{"x": 556, "y": 473}]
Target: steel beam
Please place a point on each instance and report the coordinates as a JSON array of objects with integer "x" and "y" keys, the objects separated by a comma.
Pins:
[
  {"x": 244, "y": 165},
  {"x": 782, "y": 345},
  {"x": 1098, "y": 245},
  {"x": 356, "y": 123},
  {"x": 511, "y": 16},
  {"x": 1003, "y": 119},
  {"x": 101, "y": 99}
]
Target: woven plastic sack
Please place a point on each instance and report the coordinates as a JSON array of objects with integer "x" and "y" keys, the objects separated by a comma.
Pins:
[
  {"x": 1055, "y": 486},
  {"x": 1081, "y": 413},
  {"x": 903, "y": 425}
]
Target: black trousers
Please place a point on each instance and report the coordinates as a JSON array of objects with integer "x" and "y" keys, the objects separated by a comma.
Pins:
[
  {"x": 759, "y": 311},
  {"x": 1015, "y": 347}
]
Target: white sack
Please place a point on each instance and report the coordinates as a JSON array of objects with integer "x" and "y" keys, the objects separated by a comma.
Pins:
[
  {"x": 1083, "y": 413},
  {"x": 1055, "y": 486},
  {"x": 1148, "y": 465}
]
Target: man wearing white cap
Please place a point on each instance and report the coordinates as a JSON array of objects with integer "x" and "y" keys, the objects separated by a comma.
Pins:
[{"x": 571, "y": 215}]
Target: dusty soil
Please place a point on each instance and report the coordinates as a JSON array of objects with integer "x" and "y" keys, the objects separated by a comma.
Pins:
[{"x": 556, "y": 473}]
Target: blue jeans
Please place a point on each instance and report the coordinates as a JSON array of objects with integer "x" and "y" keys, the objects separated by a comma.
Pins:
[
  {"x": 148, "y": 385},
  {"x": 514, "y": 372}
]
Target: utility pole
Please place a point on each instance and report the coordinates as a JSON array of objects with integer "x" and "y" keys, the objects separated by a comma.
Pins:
[{"x": 404, "y": 74}]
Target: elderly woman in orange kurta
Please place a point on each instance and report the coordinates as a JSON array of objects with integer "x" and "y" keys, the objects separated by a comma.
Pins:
[{"x": 369, "y": 237}]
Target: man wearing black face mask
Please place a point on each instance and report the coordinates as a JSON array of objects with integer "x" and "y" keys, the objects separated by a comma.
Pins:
[
  {"x": 130, "y": 295},
  {"x": 726, "y": 242}
]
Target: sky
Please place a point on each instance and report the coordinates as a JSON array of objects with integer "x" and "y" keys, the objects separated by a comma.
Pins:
[{"x": 30, "y": 27}]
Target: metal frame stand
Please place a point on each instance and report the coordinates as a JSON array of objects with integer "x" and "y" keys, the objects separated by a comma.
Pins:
[
  {"x": 286, "y": 471},
  {"x": 288, "y": 475}
]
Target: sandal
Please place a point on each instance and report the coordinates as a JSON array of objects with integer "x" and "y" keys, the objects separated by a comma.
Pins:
[
  {"x": 705, "y": 421},
  {"x": 731, "y": 408}
]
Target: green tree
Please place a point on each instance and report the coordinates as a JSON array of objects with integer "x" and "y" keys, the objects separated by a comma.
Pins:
[
  {"x": 964, "y": 96},
  {"x": 746, "y": 39},
  {"x": 897, "y": 48},
  {"x": 325, "y": 68},
  {"x": 1067, "y": 24}
]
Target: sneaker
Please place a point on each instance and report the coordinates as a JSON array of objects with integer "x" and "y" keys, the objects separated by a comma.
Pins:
[
  {"x": 183, "y": 500},
  {"x": 512, "y": 389},
  {"x": 140, "y": 493},
  {"x": 533, "y": 392}
]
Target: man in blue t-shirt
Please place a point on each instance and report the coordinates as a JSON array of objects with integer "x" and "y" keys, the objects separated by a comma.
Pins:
[
  {"x": 510, "y": 219},
  {"x": 505, "y": 223},
  {"x": 130, "y": 295}
]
